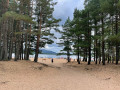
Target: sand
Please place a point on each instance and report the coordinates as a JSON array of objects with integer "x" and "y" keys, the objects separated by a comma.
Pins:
[{"x": 27, "y": 75}]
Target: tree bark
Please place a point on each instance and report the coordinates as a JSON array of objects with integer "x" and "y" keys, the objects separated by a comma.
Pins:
[
  {"x": 117, "y": 45},
  {"x": 89, "y": 40},
  {"x": 103, "y": 43},
  {"x": 38, "y": 39}
]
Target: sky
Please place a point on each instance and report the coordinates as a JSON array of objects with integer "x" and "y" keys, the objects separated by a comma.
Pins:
[{"x": 63, "y": 10}]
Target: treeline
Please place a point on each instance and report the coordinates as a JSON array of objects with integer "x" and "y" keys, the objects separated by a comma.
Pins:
[
  {"x": 94, "y": 32},
  {"x": 25, "y": 27}
]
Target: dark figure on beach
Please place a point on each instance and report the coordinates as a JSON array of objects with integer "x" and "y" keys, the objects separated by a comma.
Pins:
[{"x": 52, "y": 60}]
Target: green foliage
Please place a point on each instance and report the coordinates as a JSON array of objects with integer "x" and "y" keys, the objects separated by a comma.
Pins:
[
  {"x": 15, "y": 16},
  {"x": 66, "y": 36},
  {"x": 114, "y": 38}
]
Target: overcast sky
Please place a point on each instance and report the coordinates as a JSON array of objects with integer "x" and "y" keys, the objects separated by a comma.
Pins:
[{"x": 63, "y": 10}]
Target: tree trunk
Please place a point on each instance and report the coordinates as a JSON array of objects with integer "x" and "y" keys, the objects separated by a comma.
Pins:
[
  {"x": 89, "y": 40},
  {"x": 38, "y": 39},
  {"x": 78, "y": 53},
  {"x": 68, "y": 56},
  {"x": 117, "y": 45},
  {"x": 103, "y": 45},
  {"x": 96, "y": 45}
]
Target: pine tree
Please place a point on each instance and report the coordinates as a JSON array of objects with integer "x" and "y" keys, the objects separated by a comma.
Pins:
[
  {"x": 45, "y": 20},
  {"x": 66, "y": 39}
]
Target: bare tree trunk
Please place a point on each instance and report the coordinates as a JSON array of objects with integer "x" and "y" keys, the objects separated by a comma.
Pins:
[
  {"x": 89, "y": 38},
  {"x": 68, "y": 56},
  {"x": 26, "y": 47},
  {"x": 78, "y": 53},
  {"x": 38, "y": 39},
  {"x": 103, "y": 43},
  {"x": 117, "y": 45},
  {"x": 5, "y": 49},
  {"x": 18, "y": 43}
]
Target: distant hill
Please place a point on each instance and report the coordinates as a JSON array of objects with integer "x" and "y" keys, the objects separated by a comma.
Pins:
[{"x": 47, "y": 51}]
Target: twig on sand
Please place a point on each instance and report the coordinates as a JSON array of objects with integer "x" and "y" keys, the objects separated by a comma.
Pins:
[
  {"x": 46, "y": 65},
  {"x": 4, "y": 82},
  {"x": 108, "y": 78}
]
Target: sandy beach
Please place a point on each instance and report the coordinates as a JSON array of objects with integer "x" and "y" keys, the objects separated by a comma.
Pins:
[{"x": 27, "y": 75}]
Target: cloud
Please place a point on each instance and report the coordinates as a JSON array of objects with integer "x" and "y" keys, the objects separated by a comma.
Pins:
[
  {"x": 65, "y": 8},
  {"x": 53, "y": 47}
]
